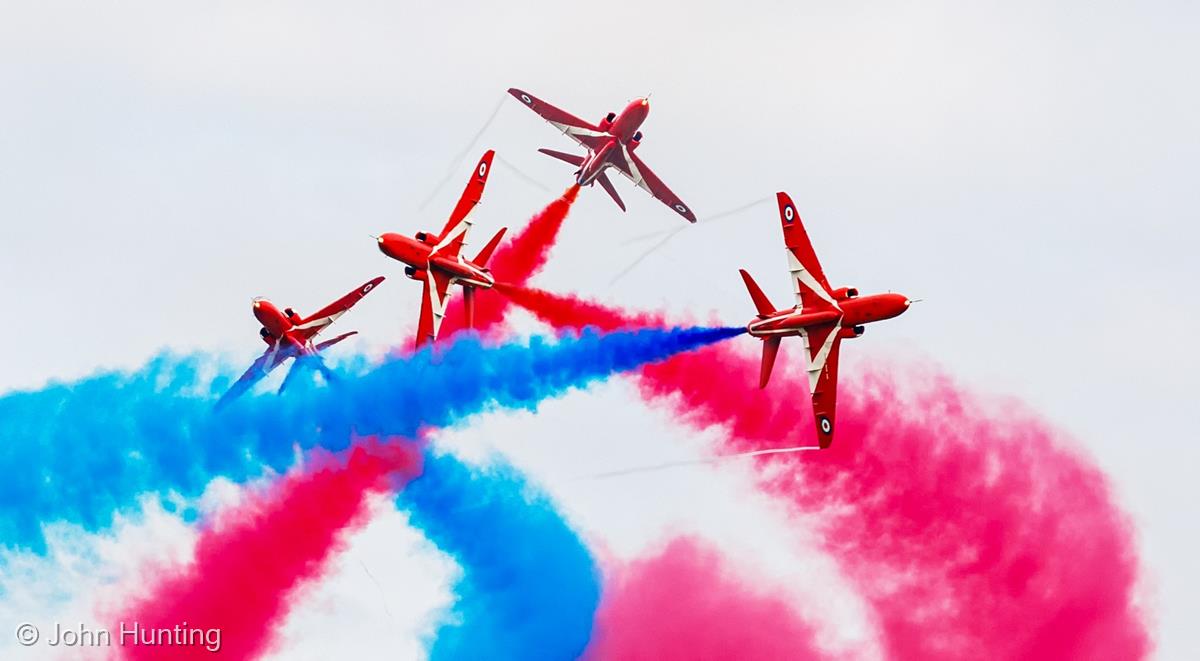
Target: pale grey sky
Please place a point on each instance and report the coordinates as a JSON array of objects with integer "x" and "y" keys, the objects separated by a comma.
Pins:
[{"x": 1028, "y": 168}]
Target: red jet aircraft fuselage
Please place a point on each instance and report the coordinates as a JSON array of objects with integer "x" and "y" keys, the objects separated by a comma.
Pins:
[
  {"x": 624, "y": 131},
  {"x": 855, "y": 312},
  {"x": 823, "y": 316},
  {"x": 277, "y": 325},
  {"x": 288, "y": 335},
  {"x": 437, "y": 262},
  {"x": 609, "y": 144},
  {"x": 418, "y": 254}
]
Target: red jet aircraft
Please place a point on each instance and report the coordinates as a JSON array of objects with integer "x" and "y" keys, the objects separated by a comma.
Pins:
[
  {"x": 289, "y": 336},
  {"x": 823, "y": 316},
  {"x": 434, "y": 259},
  {"x": 609, "y": 145}
]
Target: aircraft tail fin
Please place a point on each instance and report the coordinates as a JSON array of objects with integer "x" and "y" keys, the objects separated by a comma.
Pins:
[
  {"x": 606, "y": 184},
  {"x": 577, "y": 161},
  {"x": 770, "y": 350},
  {"x": 761, "y": 303},
  {"x": 484, "y": 255},
  {"x": 469, "y": 304}
]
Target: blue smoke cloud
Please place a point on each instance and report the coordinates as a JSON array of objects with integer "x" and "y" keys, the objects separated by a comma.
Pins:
[
  {"x": 530, "y": 587},
  {"x": 78, "y": 452}
]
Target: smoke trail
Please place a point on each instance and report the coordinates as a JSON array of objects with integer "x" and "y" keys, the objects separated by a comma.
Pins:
[
  {"x": 684, "y": 604},
  {"x": 970, "y": 532},
  {"x": 250, "y": 562},
  {"x": 80, "y": 452},
  {"x": 516, "y": 261},
  {"x": 529, "y": 588}
]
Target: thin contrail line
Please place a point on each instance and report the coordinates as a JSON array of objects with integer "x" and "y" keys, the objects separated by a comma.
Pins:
[
  {"x": 723, "y": 214},
  {"x": 670, "y": 234},
  {"x": 643, "y": 256},
  {"x": 697, "y": 462},
  {"x": 528, "y": 179},
  {"x": 462, "y": 154}
]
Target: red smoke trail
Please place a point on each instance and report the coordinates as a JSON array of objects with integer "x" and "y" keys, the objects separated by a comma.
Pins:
[
  {"x": 683, "y": 604},
  {"x": 973, "y": 532},
  {"x": 516, "y": 261},
  {"x": 251, "y": 561}
]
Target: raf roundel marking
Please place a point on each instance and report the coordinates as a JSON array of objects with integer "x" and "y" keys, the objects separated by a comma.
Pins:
[
  {"x": 526, "y": 99},
  {"x": 482, "y": 169},
  {"x": 368, "y": 287},
  {"x": 789, "y": 214},
  {"x": 826, "y": 426},
  {"x": 680, "y": 208}
]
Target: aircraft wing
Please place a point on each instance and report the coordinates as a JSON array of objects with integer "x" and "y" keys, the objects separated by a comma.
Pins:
[
  {"x": 585, "y": 133},
  {"x": 812, "y": 288},
  {"x": 433, "y": 305},
  {"x": 332, "y": 341},
  {"x": 632, "y": 167},
  {"x": 320, "y": 319},
  {"x": 823, "y": 344},
  {"x": 262, "y": 366},
  {"x": 454, "y": 234}
]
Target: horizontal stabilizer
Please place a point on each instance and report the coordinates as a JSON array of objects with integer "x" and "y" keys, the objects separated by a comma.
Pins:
[
  {"x": 577, "y": 161},
  {"x": 761, "y": 303},
  {"x": 606, "y": 184},
  {"x": 770, "y": 350},
  {"x": 484, "y": 255},
  {"x": 332, "y": 341}
]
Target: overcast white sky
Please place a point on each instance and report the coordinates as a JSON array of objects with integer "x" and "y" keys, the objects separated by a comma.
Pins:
[{"x": 1028, "y": 168}]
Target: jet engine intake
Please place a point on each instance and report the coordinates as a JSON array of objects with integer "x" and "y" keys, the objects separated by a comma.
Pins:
[
  {"x": 851, "y": 332},
  {"x": 845, "y": 293}
]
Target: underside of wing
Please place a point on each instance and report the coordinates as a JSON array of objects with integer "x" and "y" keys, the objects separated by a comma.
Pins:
[
  {"x": 632, "y": 167},
  {"x": 258, "y": 370},
  {"x": 585, "y": 133},
  {"x": 434, "y": 298},
  {"x": 319, "y": 320},
  {"x": 454, "y": 235},
  {"x": 824, "y": 345}
]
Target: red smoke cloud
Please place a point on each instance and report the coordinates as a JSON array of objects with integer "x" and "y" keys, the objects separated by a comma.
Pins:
[
  {"x": 683, "y": 604},
  {"x": 250, "y": 562},
  {"x": 971, "y": 528},
  {"x": 516, "y": 261}
]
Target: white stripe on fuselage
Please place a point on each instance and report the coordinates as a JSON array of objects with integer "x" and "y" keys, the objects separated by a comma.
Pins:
[
  {"x": 459, "y": 230},
  {"x": 436, "y": 305}
]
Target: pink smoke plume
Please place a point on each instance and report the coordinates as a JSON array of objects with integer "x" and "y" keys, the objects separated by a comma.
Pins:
[
  {"x": 684, "y": 604},
  {"x": 516, "y": 261},
  {"x": 973, "y": 530},
  {"x": 250, "y": 562}
]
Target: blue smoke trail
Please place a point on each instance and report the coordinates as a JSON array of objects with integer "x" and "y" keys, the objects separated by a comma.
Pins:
[
  {"x": 530, "y": 587},
  {"x": 78, "y": 452}
]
